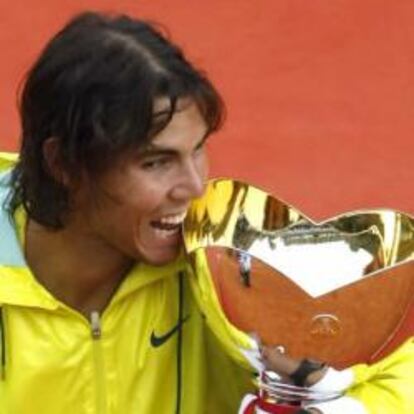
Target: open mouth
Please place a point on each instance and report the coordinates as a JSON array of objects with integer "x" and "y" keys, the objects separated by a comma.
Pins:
[{"x": 169, "y": 225}]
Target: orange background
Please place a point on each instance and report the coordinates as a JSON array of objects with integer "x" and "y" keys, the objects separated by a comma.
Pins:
[{"x": 320, "y": 93}]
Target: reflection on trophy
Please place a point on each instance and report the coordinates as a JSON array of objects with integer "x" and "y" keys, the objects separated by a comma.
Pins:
[{"x": 313, "y": 290}]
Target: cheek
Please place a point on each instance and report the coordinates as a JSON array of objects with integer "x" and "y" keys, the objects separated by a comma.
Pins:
[
  {"x": 120, "y": 224},
  {"x": 122, "y": 213}
]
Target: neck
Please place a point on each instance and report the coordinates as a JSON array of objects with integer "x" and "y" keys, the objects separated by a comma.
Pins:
[{"x": 80, "y": 271}]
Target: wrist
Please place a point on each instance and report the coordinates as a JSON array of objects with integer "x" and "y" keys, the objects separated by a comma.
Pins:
[
  {"x": 315, "y": 376},
  {"x": 308, "y": 372}
]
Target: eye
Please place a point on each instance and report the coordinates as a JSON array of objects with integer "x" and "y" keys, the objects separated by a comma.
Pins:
[{"x": 156, "y": 163}]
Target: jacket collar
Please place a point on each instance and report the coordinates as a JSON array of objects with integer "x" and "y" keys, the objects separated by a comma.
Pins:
[{"x": 17, "y": 284}]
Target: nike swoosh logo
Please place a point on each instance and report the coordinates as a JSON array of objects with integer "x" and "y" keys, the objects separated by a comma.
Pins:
[{"x": 157, "y": 341}]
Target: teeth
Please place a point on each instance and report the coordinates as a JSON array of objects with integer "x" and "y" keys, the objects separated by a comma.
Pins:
[
  {"x": 164, "y": 234},
  {"x": 176, "y": 219}
]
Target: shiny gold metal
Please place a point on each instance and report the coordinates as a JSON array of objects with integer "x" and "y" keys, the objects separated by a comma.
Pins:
[{"x": 315, "y": 288}]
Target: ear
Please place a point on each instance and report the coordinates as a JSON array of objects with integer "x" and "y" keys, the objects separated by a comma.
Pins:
[{"x": 53, "y": 160}]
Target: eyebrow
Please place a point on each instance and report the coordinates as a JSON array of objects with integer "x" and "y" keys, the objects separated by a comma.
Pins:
[{"x": 153, "y": 149}]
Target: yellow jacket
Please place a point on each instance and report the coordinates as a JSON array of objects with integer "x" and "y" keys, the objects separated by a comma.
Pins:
[{"x": 149, "y": 351}]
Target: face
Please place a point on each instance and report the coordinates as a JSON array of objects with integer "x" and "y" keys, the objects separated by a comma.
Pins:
[{"x": 143, "y": 199}]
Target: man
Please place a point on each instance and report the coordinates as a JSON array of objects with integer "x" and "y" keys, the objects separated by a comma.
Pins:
[{"x": 96, "y": 314}]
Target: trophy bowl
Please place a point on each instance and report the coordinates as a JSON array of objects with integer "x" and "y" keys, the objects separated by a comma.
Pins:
[{"x": 336, "y": 291}]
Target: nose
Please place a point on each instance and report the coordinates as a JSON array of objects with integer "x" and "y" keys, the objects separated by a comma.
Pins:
[{"x": 191, "y": 181}]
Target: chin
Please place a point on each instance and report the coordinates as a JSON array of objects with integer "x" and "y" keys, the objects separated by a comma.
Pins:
[{"x": 160, "y": 258}]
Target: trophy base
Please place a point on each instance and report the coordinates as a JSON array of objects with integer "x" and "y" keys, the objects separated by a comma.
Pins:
[
  {"x": 278, "y": 408},
  {"x": 256, "y": 405}
]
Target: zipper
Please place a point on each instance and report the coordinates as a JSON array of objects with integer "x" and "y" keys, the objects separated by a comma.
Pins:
[
  {"x": 2, "y": 346},
  {"x": 99, "y": 365},
  {"x": 96, "y": 330}
]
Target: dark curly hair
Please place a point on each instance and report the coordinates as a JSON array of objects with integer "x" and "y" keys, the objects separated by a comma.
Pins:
[{"x": 93, "y": 89}]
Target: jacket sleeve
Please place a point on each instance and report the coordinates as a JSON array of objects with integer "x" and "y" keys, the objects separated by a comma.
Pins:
[{"x": 387, "y": 386}]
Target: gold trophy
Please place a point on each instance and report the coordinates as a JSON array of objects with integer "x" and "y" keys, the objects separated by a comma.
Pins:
[{"x": 336, "y": 291}]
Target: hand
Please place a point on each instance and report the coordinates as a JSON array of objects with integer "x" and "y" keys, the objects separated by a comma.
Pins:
[
  {"x": 285, "y": 366},
  {"x": 277, "y": 361}
]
